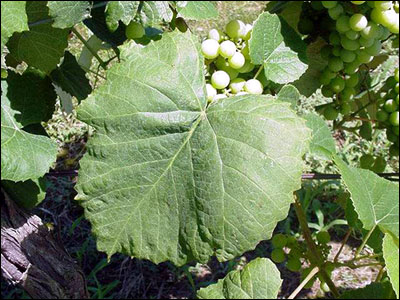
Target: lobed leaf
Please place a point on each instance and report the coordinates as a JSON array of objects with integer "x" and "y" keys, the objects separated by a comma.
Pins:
[
  {"x": 123, "y": 11},
  {"x": 13, "y": 19},
  {"x": 391, "y": 256},
  {"x": 197, "y": 10},
  {"x": 68, "y": 13},
  {"x": 380, "y": 290}
]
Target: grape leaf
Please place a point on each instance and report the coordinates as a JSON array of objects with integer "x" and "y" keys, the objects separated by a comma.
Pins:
[
  {"x": 123, "y": 11},
  {"x": 33, "y": 96},
  {"x": 289, "y": 93},
  {"x": 391, "y": 255},
  {"x": 376, "y": 200},
  {"x": 43, "y": 45},
  {"x": 322, "y": 144},
  {"x": 23, "y": 155},
  {"x": 259, "y": 279},
  {"x": 197, "y": 10},
  {"x": 381, "y": 290},
  {"x": 13, "y": 19},
  {"x": 153, "y": 13},
  {"x": 72, "y": 78},
  {"x": 68, "y": 13},
  {"x": 168, "y": 178},
  {"x": 278, "y": 47},
  {"x": 27, "y": 194}
]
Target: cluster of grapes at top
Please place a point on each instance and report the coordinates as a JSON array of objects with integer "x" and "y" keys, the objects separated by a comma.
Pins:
[
  {"x": 228, "y": 66},
  {"x": 297, "y": 252}
]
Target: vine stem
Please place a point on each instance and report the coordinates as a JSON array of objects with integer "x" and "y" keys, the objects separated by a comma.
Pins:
[
  {"x": 304, "y": 282},
  {"x": 315, "y": 257},
  {"x": 82, "y": 39},
  {"x": 259, "y": 71},
  {"x": 346, "y": 238},
  {"x": 365, "y": 241}
]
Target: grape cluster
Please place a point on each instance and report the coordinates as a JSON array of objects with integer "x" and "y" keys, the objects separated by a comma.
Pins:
[
  {"x": 355, "y": 32},
  {"x": 229, "y": 69}
]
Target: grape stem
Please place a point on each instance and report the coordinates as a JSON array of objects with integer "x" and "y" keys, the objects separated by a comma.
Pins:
[
  {"x": 94, "y": 53},
  {"x": 346, "y": 238},
  {"x": 259, "y": 71},
  {"x": 315, "y": 257},
  {"x": 304, "y": 282},
  {"x": 365, "y": 241}
]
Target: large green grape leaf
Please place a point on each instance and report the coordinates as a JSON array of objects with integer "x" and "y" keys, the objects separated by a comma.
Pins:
[
  {"x": 71, "y": 77},
  {"x": 27, "y": 194},
  {"x": 23, "y": 155},
  {"x": 380, "y": 290},
  {"x": 43, "y": 45},
  {"x": 375, "y": 199},
  {"x": 277, "y": 46},
  {"x": 259, "y": 279},
  {"x": 168, "y": 178},
  {"x": 123, "y": 11},
  {"x": 32, "y": 95},
  {"x": 68, "y": 13},
  {"x": 391, "y": 255},
  {"x": 153, "y": 13},
  {"x": 197, "y": 10},
  {"x": 322, "y": 143},
  {"x": 13, "y": 19}
]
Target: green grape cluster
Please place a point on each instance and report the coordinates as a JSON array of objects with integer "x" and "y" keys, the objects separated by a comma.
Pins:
[
  {"x": 387, "y": 115},
  {"x": 295, "y": 255},
  {"x": 228, "y": 65},
  {"x": 355, "y": 32}
]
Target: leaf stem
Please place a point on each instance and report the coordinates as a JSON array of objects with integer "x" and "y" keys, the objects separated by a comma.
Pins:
[
  {"x": 365, "y": 241},
  {"x": 304, "y": 282},
  {"x": 259, "y": 71},
  {"x": 346, "y": 238},
  {"x": 82, "y": 39}
]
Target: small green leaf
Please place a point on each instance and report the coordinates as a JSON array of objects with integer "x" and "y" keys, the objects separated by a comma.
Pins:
[
  {"x": 381, "y": 290},
  {"x": 68, "y": 13},
  {"x": 290, "y": 94},
  {"x": 23, "y": 155},
  {"x": 123, "y": 11},
  {"x": 27, "y": 194},
  {"x": 13, "y": 19},
  {"x": 376, "y": 200},
  {"x": 391, "y": 255},
  {"x": 153, "y": 13},
  {"x": 43, "y": 45},
  {"x": 198, "y": 10},
  {"x": 72, "y": 78},
  {"x": 322, "y": 144},
  {"x": 278, "y": 47},
  {"x": 259, "y": 279}
]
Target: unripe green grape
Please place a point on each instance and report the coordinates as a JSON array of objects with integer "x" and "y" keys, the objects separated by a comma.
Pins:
[
  {"x": 342, "y": 24},
  {"x": 336, "y": 12},
  {"x": 372, "y": 31},
  {"x": 211, "y": 92},
  {"x": 352, "y": 35},
  {"x": 396, "y": 6},
  {"x": 394, "y": 151},
  {"x": 245, "y": 51},
  {"x": 237, "y": 85},
  {"x": 348, "y": 44},
  {"x": 325, "y": 79},
  {"x": 323, "y": 237},
  {"x": 331, "y": 113},
  {"x": 234, "y": 28},
  {"x": 337, "y": 84},
  {"x": 364, "y": 57},
  {"x": 334, "y": 38},
  {"x": 324, "y": 287},
  {"x": 352, "y": 80},
  {"x": 278, "y": 256},
  {"x": 326, "y": 52},
  {"x": 357, "y": 2},
  {"x": 220, "y": 80},
  {"x": 327, "y": 91},
  {"x": 279, "y": 241},
  {"x": 396, "y": 89},
  {"x": 347, "y": 56},
  {"x": 358, "y": 22},
  {"x": 237, "y": 60},
  {"x": 395, "y": 130},
  {"x": 366, "y": 131},
  {"x": 210, "y": 48},
  {"x": 394, "y": 28},
  {"x": 253, "y": 86},
  {"x": 4, "y": 74},
  {"x": 391, "y": 136},
  {"x": 366, "y": 42},
  {"x": 367, "y": 161},
  {"x": 295, "y": 253},
  {"x": 336, "y": 51},
  {"x": 394, "y": 118},
  {"x": 382, "y": 115},
  {"x": 385, "y": 17},
  {"x": 134, "y": 30},
  {"x": 329, "y": 4},
  {"x": 335, "y": 64},
  {"x": 305, "y": 26},
  {"x": 379, "y": 165},
  {"x": 247, "y": 67},
  {"x": 249, "y": 30},
  {"x": 214, "y": 34},
  {"x": 375, "y": 49},
  {"x": 348, "y": 94},
  {"x": 390, "y": 106},
  {"x": 293, "y": 265},
  {"x": 227, "y": 49},
  {"x": 346, "y": 109},
  {"x": 352, "y": 68},
  {"x": 396, "y": 75},
  {"x": 383, "y": 5},
  {"x": 181, "y": 24}
]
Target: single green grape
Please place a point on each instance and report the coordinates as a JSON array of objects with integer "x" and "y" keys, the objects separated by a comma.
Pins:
[
  {"x": 347, "y": 56},
  {"x": 293, "y": 264},
  {"x": 237, "y": 85},
  {"x": 366, "y": 42},
  {"x": 210, "y": 48},
  {"x": 4, "y": 73},
  {"x": 215, "y": 34},
  {"x": 366, "y": 131},
  {"x": 329, "y": 4},
  {"x": 326, "y": 52},
  {"x": 323, "y": 237},
  {"x": 237, "y": 60},
  {"x": 383, "y": 5},
  {"x": 372, "y": 31},
  {"x": 375, "y": 49},
  {"x": 396, "y": 75},
  {"x": 220, "y": 80},
  {"x": 335, "y": 64},
  {"x": 180, "y": 23},
  {"x": 336, "y": 51},
  {"x": 331, "y": 113},
  {"x": 367, "y": 161},
  {"x": 327, "y": 91},
  {"x": 334, "y": 38},
  {"x": 295, "y": 253},
  {"x": 352, "y": 35},
  {"x": 357, "y": 2},
  {"x": 342, "y": 24},
  {"x": 364, "y": 57},
  {"x": 352, "y": 68},
  {"x": 352, "y": 80},
  {"x": 348, "y": 44},
  {"x": 279, "y": 240},
  {"x": 394, "y": 118},
  {"x": 358, "y": 22},
  {"x": 346, "y": 109},
  {"x": 337, "y": 84},
  {"x": 395, "y": 130},
  {"x": 379, "y": 165},
  {"x": 227, "y": 49},
  {"x": 336, "y": 12},
  {"x": 134, "y": 31},
  {"x": 348, "y": 94},
  {"x": 253, "y": 86},
  {"x": 391, "y": 106},
  {"x": 278, "y": 256},
  {"x": 211, "y": 92},
  {"x": 234, "y": 28},
  {"x": 382, "y": 116}
]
